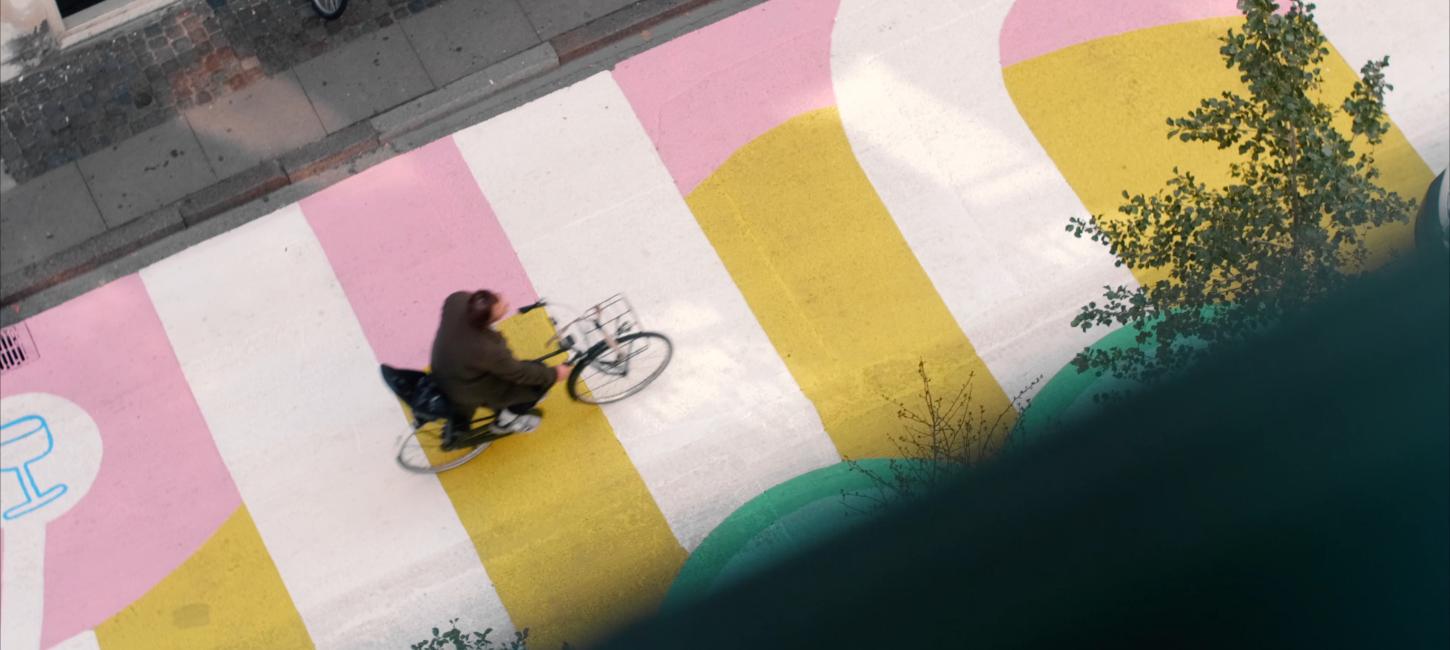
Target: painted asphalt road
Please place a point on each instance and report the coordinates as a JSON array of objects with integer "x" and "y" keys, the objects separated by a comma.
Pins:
[{"x": 810, "y": 197}]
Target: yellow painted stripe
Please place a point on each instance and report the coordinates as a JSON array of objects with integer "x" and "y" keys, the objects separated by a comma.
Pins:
[
  {"x": 570, "y": 536},
  {"x": 833, "y": 282},
  {"x": 227, "y": 595},
  {"x": 1098, "y": 108}
]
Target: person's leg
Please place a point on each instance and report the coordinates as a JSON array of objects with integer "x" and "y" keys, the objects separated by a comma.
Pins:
[
  {"x": 523, "y": 407},
  {"x": 462, "y": 418},
  {"x": 521, "y": 416}
]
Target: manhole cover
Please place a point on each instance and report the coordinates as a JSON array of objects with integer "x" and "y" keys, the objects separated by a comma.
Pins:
[{"x": 16, "y": 347}]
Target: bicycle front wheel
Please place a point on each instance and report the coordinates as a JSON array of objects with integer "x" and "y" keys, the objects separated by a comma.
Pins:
[
  {"x": 422, "y": 450},
  {"x": 609, "y": 374}
]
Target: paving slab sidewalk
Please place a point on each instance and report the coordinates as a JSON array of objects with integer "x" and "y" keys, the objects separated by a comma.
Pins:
[
  {"x": 370, "y": 97},
  {"x": 260, "y": 122}
]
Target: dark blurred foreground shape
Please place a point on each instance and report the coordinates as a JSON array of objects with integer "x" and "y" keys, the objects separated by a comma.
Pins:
[{"x": 1292, "y": 493}]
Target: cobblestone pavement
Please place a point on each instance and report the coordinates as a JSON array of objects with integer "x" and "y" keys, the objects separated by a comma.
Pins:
[{"x": 84, "y": 99}]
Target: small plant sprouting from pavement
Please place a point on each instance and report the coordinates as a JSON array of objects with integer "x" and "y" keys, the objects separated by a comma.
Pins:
[
  {"x": 456, "y": 639},
  {"x": 944, "y": 436}
]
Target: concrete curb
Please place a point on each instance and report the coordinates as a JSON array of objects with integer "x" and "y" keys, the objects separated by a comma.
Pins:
[
  {"x": 329, "y": 152},
  {"x": 259, "y": 190},
  {"x": 91, "y": 254},
  {"x": 463, "y": 93},
  {"x": 635, "y": 19},
  {"x": 231, "y": 192}
]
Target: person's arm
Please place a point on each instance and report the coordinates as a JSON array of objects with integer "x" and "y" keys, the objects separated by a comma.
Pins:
[{"x": 503, "y": 365}]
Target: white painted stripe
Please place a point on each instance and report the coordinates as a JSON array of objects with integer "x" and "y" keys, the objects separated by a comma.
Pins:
[
  {"x": 592, "y": 211},
  {"x": 84, "y": 641},
  {"x": 371, "y": 555},
  {"x": 1416, "y": 37},
  {"x": 22, "y": 585},
  {"x": 927, "y": 112}
]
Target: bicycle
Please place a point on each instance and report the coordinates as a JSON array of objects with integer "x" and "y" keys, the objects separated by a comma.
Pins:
[{"x": 605, "y": 344}]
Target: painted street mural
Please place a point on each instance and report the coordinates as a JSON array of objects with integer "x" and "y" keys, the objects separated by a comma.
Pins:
[{"x": 809, "y": 197}]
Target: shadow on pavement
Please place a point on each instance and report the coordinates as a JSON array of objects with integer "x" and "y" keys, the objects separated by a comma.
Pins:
[{"x": 1292, "y": 493}]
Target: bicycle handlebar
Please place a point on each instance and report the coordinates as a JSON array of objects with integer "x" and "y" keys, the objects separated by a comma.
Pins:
[
  {"x": 565, "y": 345},
  {"x": 558, "y": 351}
]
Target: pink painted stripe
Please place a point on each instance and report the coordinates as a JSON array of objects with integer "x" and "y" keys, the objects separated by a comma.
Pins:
[
  {"x": 162, "y": 489},
  {"x": 405, "y": 234},
  {"x": 1037, "y": 27},
  {"x": 706, "y": 94}
]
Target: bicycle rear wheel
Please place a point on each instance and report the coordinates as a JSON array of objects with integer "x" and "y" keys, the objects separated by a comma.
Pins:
[
  {"x": 422, "y": 450},
  {"x": 606, "y": 374}
]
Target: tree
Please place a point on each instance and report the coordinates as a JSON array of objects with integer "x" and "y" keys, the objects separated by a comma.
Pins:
[{"x": 1287, "y": 229}]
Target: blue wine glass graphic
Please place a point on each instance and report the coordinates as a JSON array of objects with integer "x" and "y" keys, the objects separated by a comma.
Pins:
[
  {"x": 52, "y": 476},
  {"x": 24, "y": 441}
]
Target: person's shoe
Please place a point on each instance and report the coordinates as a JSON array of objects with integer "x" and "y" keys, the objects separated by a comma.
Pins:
[{"x": 510, "y": 422}]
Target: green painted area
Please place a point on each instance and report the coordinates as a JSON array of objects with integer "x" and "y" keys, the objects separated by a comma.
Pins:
[
  {"x": 790, "y": 517},
  {"x": 782, "y": 521},
  {"x": 1068, "y": 396}
]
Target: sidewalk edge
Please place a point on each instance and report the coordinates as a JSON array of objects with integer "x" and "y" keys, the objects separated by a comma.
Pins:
[{"x": 526, "y": 76}]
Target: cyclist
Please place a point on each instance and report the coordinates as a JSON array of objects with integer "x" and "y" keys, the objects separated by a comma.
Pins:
[{"x": 473, "y": 366}]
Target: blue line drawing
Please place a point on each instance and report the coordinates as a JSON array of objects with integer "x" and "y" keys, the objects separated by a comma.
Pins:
[{"x": 29, "y": 438}]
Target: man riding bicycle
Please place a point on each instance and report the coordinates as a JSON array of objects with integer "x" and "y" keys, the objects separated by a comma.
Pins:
[{"x": 473, "y": 366}]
